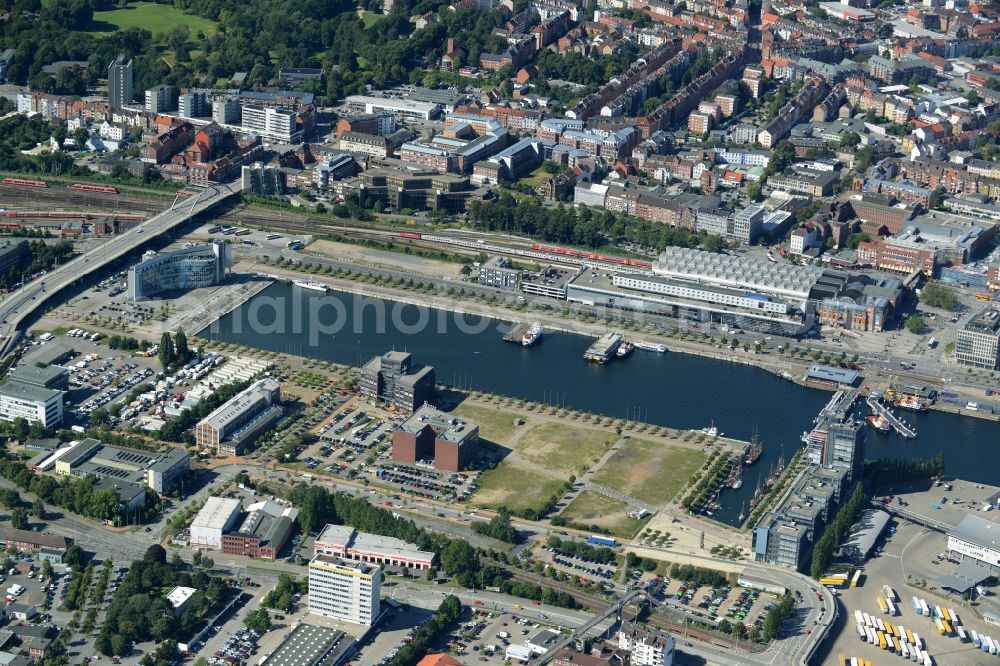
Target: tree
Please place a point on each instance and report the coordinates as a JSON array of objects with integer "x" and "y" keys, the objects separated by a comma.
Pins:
[
  {"x": 849, "y": 139},
  {"x": 9, "y": 498},
  {"x": 754, "y": 191},
  {"x": 725, "y": 626},
  {"x": 73, "y": 556},
  {"x": 499, "y": 527},
  {"x": 19, "y": 518},
  {"x": 181, "y": 345},
  {"x": 258, "y": 620},
  {"x": 938, "y": 296},
  {"x": 46, "y": 569},
  {"x": 38, "y": 509},
  {"x": 155, "y": 553},
  {"x": 914, "y": 324},
  {"x": 166, "y": 351}
]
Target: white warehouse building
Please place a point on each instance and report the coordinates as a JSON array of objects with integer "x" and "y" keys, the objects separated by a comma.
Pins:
[
  {"x": 978, "y": 539},
  {"x": 218, "y": 516}
]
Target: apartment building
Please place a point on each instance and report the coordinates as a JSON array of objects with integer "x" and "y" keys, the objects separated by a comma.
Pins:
[
  {"x": 647, "y": 645},
  {"x": 365, "y": 144},
  {"x": 120, "y": 82},
  {"x": 346, "y": 591},
  {"x": 160, "y": 99},
  {"x": 269, "y": 123}
]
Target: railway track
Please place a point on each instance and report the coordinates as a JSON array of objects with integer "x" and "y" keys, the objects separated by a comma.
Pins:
[{"x": 12, "y": 196}]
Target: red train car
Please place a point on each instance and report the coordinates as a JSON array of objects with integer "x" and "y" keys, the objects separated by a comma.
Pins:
[
  {"x": 625, "y": 261},
  {"x": 24, "y": 183},
  {"x": 103, "y": 189},
  {"x": 184, "y": 193},
  {"x": 409, "y": 234}
]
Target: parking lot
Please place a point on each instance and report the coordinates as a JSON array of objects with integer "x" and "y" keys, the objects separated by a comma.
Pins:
[
  {"x": 735, "y": 604},
  {"x": 909, "y": 564},
  {"x": 355, "y": 441}
]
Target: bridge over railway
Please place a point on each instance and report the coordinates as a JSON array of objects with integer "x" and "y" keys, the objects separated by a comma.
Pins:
[{"x": 20, "y": 305}]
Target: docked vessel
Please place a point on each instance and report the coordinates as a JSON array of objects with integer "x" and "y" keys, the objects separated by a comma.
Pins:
[
  {"x": 603, "y": 348},
  {"x": 735, "y": 478},
  {"x": 649, "y": 346},
  {"x": 314, "y": 285},
  {"x": 532, "y": 335},
  {"x": 911, "y": 402},
  {"x": 878, "y": 422},
  {"x": 624, "y": 349},
  {"x": 756, "y": 448}
]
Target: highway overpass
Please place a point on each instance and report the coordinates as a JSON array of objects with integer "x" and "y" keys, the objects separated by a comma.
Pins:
[{"x": 18, "y": 306}]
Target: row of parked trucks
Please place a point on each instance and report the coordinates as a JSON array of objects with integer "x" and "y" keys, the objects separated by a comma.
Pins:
[{"x": 892, "y": 638}]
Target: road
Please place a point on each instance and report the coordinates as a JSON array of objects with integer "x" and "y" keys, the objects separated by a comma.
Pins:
[{"x": 22, "y": 303}]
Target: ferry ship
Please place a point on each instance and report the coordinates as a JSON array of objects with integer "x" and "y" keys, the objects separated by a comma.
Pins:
[
  {"x": 532, "y": 335},
  {"x": 624, "y": 349},
  {"x": 878, "y": 422},
  {"x": 756, "y": 448},
  {"x": 314, "y": 285},
  {"x": 649, "y": 346}
]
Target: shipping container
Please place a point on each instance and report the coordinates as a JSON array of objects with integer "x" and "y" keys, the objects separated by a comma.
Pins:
[
  {"x": 947, "y": 627},
  {"x": 880, "y": 623},
  {"x": 882, "y": 605},
  {"x": 868, "y": 620},
  {"x": 905, "y": 651},
  {"x": 895, "y": 645},
  {"x": 918, "y": 641},
  {"x": 960, "y": 633},
  {"x": 856, "y": 578},
  {"x": 927, "y": 658},
  {"x": 862, "y": 634},
  {"x": 871, "y": 636},
  {"x": 939, "y": 626}
]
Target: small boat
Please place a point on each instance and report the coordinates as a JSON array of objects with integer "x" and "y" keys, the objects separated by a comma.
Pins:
[
  {"x": 878, "y": 422},
  {"x": 649, "y": 346},
  {"x": 743, "y": 512},
  {"x": 532, "y": 335},
  {"x": 314, "y": 285},
  {"x": 624, "y": 349}
]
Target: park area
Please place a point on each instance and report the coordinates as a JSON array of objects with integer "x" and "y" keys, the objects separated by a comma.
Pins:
[
  {"x": 514, "y": 487},
  {"x": 650, "y": 471},
  {"x": 591, "y": 508},
  {"x": 150, "y": 16},
  {"x": 564, "y": 449}
]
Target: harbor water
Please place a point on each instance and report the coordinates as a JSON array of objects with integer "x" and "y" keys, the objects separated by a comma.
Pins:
[{"x": 681, "y": 391}]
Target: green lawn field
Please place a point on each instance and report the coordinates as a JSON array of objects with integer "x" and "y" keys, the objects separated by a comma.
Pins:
[{"x": 150, "y": 16}]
